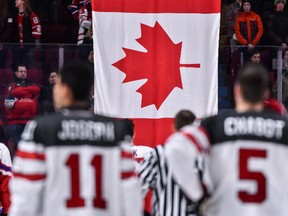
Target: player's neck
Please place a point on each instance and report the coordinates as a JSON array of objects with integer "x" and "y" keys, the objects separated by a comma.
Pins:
[
  {"x": 245, "y": 107},
  {"x": 80, "y": 104}
]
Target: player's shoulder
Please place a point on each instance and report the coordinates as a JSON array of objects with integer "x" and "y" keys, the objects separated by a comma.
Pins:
[
  {"x": 3, "y": 148},
  {"x": 228, "y": 114}
]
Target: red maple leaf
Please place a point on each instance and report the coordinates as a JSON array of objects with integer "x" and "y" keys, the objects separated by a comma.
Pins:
[{"x": 160, "y": 65}]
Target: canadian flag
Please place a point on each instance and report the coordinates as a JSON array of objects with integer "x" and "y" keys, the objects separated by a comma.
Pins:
[{"x": 154, "y": 58}]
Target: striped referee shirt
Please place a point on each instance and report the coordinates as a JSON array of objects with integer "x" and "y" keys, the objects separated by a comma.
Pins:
[{"x": 167, "y": 198}]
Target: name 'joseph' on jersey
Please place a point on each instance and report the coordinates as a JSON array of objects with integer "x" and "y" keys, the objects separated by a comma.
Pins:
[{"x": 74, "y": 163}]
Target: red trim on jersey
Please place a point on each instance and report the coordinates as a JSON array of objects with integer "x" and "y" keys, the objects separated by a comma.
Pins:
[
  {"x": 30, "y": 177},
  {"x": 157, "y": 6},
  {"x": 126, "y": 175},
  {"x": 202, "y": 129},
  {"x": 125, "y": 154},
  {"x": 193, "y": 140},
  {"x": 5, "y": 193},
  {"x": 27, "y": 155}
]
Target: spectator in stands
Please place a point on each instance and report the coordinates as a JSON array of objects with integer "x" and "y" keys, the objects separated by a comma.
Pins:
[
  {"x": 248, "y": 26},
  {"x": 46, "y": 95},
  {"x": 5, "y": 30},
  {"x": 278, "y": 25},
  {"x": 82, "y": 12},
  {"x": 91, "y": 58},
  {"x": 88, "y": 38},
  {"x": 5, "y": 176},
  {"x": 85, "y": 20},
  {"x": 285, "y": 60},
  {"x": 27, "y": 29},
  {"x": 233, "y": 11},
  {"x": 86, "y": 46},
  {"x": 284, "y": 80},
  {"x": 74, "y": 7},
  {"x": 21, "y": 103},
  {"x": 255, "y": 56}
]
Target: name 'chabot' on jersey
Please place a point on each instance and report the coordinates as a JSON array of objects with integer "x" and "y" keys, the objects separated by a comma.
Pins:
[
  {"x": 257, "y": 126},
  {"x": 86, "y": 130}
]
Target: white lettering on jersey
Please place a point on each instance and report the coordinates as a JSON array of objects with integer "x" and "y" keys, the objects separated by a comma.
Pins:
[
  {"x": 258, "y": 126},
  {"x": 86, "y": 130}
]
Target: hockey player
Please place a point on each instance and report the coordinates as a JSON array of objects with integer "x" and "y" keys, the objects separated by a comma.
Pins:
[
  {"x": 74, "y": 162},
  {"x": 5, "y": 176},
  {"x": 247, "y": 156}
]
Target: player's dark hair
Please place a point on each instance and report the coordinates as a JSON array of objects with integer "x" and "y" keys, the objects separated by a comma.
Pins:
[
  {"x": 79, "y": 77},
  {"x": 129, "y": 126},
  {"x": 254, "y": 81},
  {"x": 183, "y": 118}
]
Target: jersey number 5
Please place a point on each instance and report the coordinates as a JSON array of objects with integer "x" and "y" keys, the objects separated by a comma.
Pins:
[
  {"x": 245, "y": 174},
  {"x": 75, "y": 200}
]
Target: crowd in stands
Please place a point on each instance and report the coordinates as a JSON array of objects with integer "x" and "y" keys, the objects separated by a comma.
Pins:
[
  {"x": 30, "y": 34},
  {"x": 29, "y": 64},
  {"x": 255, "y": 31},
  {"x": 31, "y": 31},
  {"x": 32, "y": 24}
]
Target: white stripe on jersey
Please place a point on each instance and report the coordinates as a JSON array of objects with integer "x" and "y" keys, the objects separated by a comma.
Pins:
[
  {"x": 29, "y": 166},
  {"x": 30, "y": 147}
]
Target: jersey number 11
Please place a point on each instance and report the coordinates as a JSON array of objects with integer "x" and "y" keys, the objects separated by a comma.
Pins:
[{"x": 75, "y": 200}]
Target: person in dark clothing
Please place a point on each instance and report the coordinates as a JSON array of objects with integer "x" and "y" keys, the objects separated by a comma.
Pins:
[
  {"x": 5, "y": 30},
  {"x": 46, "y": 95},
  {"x": 277, "y": 26},
  {"x": 3, "y": 137},
  {"x": 27, "y": 29}
]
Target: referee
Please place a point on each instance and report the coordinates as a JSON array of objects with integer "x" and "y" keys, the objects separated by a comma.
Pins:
[{"x": 167, "y": 198}]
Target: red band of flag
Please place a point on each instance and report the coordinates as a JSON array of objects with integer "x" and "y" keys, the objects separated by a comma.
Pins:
[
  {"x": 157, "y": 6},
  {"x": 152, "y": 132}
]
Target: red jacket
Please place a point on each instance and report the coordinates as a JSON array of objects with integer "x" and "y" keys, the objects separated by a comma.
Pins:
[{"x": 26, "y": 102}]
